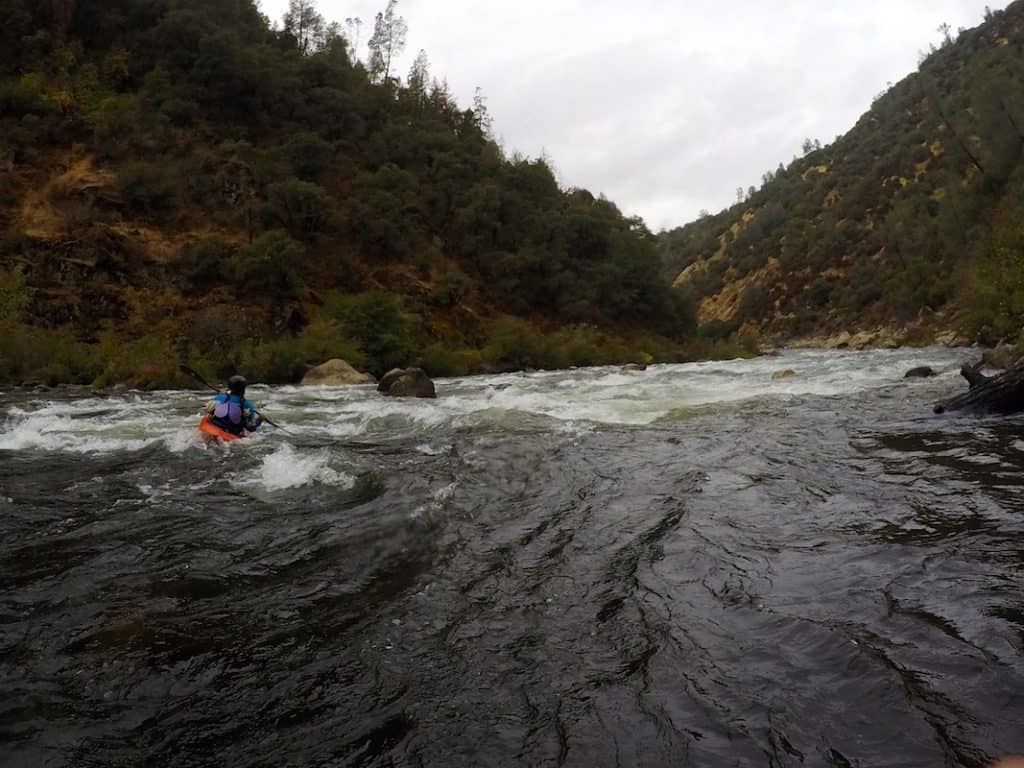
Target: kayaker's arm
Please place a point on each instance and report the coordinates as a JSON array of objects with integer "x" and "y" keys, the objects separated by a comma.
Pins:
[{"x": 253, "y": 418}]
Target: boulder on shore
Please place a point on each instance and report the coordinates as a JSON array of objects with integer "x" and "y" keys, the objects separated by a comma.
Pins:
[
  {"x": 410, "y": 382},
  {"x": 335, "y": 372},
  {"x": 1003, "y": 357},
  {"x": 951, "y": 339}
]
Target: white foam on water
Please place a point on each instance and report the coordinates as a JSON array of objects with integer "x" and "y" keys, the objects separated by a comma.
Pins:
[
  {"x": 47, "y": 432},
  {"x": 287, "y": 468},
  {"x": 432, "y": 450},
  {"x": 562, "y": 401},
  {"x": 183, "y": 438},
  {"x": 444, "y": 494}
]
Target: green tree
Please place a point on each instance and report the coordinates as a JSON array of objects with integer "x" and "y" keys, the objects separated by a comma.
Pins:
[
  {"x": 418, "y": 80},
  {"x": 375, "y": 321},
  {"x": 304, "y": 24},
  {"x": 303, "y": 208},
  {"x": 268, "y": 268}
]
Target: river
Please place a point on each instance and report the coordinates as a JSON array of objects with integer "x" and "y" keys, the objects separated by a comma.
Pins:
[{"x": 697, "y": 565}]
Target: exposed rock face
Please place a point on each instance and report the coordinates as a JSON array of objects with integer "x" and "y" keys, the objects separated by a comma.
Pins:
[
  {"x": 878, "y": 338},
  {"x": 921, "y": 372},
  {"x": 411, "y": 382},
  {"x": 786, "y": 373},
  {"x": 633, "y": 367},
  {"x": 952, "y": 339},
  {"x": 334, "y": 373}
]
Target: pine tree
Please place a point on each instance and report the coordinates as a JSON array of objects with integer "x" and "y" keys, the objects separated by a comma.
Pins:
[
  {"x": 387, "y": 42},
  {"x": 305, "y": 24}
]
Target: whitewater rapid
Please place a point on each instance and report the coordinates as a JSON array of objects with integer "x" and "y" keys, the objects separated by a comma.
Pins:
[
  {"x": 694, "y": 565},
  {"x": 583, "y": 399}
]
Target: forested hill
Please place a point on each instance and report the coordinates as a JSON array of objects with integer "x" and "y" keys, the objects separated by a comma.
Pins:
[
  {"x": 184, "y": 181},
  {"x": 914, "y": 219}
]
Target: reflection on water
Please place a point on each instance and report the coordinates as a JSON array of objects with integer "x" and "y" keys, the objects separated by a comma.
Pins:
[{"x": 698, "y": 565}]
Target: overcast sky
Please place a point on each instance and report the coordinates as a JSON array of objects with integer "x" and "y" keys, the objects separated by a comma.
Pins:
[{"x": 665, "y": 106}]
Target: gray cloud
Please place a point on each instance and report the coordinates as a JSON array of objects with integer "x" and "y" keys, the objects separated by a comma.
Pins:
[{"x": 667, "y": 107}]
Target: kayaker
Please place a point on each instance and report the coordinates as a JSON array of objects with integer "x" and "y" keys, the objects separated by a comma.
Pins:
[{"x": 231, "y": 411}]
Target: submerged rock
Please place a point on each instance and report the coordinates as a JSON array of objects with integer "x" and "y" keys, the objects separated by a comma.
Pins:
[
  {"x": 785, "y": 373},
  {"x": 633, "y": 367},
  {"x": 411, "y": 382},
  {"x": 921, "y": 372},
  {"x": 336, "y": 372}
]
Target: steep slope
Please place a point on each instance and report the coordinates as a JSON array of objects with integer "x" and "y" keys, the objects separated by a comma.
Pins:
[
  {"x": 180, "y": 180},
  {"x": 912, "y": 220}
]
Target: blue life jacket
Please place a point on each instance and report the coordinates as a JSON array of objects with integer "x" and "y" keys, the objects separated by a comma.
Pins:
[{"x": 229, "y": 413}]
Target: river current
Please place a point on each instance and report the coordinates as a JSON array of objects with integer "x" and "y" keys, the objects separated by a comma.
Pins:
[{"x": 696, "y": 565}]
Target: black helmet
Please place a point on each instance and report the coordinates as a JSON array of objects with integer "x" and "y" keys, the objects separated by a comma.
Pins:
[{"x": 236, "y": 385}]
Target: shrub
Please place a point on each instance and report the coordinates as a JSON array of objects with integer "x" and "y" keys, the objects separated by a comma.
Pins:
[
  {"x": 450, "y": 290},
  {"x": 41, "y": 356},
  {"x": 304, "y": 209},
  {"x": 15, "y": 296},
  {"x": 146, "y": 187},
  {"x": 310, "y": 156},
  {"x": 205, "y": 262},
  {"x": 374, "y": 320},
  {"x": 24, "y": 96},
  {"x": 287, "y": 360},
  {"x": 514, "y": 344},
  {"x": 149, "y": 362},
  {"x": 269, "y": 265},
  {"x": 439, "y": 360}
]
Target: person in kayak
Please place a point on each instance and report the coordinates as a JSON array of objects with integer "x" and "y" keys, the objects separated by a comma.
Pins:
[{"x": 231, "y": 411}]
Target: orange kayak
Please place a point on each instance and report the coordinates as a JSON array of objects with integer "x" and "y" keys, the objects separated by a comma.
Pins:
[{"x": 213, "y": 431}]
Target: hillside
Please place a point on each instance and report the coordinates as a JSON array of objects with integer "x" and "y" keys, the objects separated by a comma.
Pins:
[
  {"x": 182, "y": 181},
  {"x": 913, "y": 221}
]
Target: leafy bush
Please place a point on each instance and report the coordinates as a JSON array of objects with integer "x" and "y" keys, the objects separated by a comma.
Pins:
[
  {"x": 44, "y": 356},
  {"x": 23, "y": 96},
  {"x": 375, "y": 321},
  {"x": 268, "y": 267},
  {"x": 310, "y": 156},
  {"x": 514, "y": 344},
  {"x": 304, "y": 209},
  {"x": 147, "y": 187},
  {"x": 439, "y": 360},
  {"x": 205, "y": 263},
  {"x": 450, "y": 290},
  {"x": 15, "y": 295},
  {"x": 150, "y": 362}
]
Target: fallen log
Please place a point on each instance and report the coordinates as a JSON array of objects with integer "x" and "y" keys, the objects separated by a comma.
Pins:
[{"x": 996, "y": 394}]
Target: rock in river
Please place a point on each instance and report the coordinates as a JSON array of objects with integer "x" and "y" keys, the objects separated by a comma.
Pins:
[
  {"x": 921, "y": 372},
  {"x": 410, "y": 382},
  {"x": 336, "y": 372}
]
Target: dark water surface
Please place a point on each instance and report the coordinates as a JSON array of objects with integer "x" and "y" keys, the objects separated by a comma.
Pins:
[{"x": 694, "y": 566}]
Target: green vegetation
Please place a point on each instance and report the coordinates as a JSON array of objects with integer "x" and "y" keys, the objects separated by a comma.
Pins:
[
  {"x": 912, "y": 219},
  {"x": 186, "y": 182}
]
